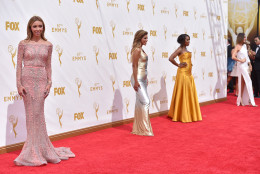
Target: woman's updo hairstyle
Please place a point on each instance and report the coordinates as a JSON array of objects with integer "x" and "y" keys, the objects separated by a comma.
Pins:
[{"x": 181, "y": 38}]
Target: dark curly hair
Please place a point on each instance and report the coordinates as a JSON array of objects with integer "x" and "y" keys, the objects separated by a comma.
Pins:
[{"x": 181, "y": 38}]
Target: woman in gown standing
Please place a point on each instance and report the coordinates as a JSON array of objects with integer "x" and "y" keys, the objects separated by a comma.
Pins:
[
  {"x": 245, "y": 89},
  {"x": 184, "y": 105},
  {"x": 33, "y": 84},
  {"x": 142, "y": 125}
]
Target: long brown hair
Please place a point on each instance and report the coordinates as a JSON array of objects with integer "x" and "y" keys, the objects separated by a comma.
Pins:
[
  {"x": 240, "y": 38},
  {"x": 137, "y": 39},
  {"x": 29, "y": 30}
]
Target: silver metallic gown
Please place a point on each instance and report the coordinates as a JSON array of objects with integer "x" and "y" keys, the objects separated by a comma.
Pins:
[{"x": 142, "y": 125}]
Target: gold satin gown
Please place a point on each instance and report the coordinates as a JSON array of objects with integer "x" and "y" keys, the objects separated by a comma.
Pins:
[
  {"x": 142, "y": 124},
  {"x": 185, "y": 105}
]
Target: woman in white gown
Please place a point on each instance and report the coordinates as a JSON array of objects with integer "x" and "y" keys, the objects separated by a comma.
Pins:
[{"x": 245, "y": 90}]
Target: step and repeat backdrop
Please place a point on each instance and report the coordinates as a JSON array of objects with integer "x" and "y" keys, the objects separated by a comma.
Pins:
[{"x": 91, "y": 66}]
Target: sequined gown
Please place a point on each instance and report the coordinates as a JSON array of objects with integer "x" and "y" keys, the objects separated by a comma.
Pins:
[
  {"x": 142, "y": 124},
  {"x": 185, "y": 105},
  {"x": 34, "y": 76}
]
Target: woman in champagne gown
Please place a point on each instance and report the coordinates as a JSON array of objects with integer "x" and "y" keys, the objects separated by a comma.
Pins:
[
  {"x": 142, "y": 125},
  {"x": 184, "y": 105},
  {"x": 33, "y": 84},
  {"x": 245, "y": 89}
]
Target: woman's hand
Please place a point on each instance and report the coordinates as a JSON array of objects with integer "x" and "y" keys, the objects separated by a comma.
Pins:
[
  {"x": 136, "y": 86},
  {"x": 183, "y": 64},
  {"x": 47, "y": 91},
  {"x": 243, "y": 60},
  {"x": 250, "y": 68},
  {"x": 21, "y": 91}
]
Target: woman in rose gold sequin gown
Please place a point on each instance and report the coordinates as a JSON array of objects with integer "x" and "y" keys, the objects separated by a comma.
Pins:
[{"x": 34, "y": 83}]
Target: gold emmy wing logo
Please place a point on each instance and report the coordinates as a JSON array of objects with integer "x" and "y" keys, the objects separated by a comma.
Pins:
[
  {"x": 59, "y": 113},
  {"x": 97, "y": 3},
  {"x": 194, "y": 53},
  {"x": 113, "y": 25},
  {"x": 78, "y": 83},
  {"x": 176, "y": 10},
  {"x": 218, "y": 18},
  {"x": 96, "y": 51},
  {"x": 14, "y": 121},
  {"x": 203, "y": 34},
  {"x": 127, "y": 50},
  {"x": 78, "y": 23},
  {"x": 59, "y": 2},
  {"x": 127, "y": 102},
  {"x": 153, "y": 5},
  {"x": 12, "y": 52},
  {"x": 113, "y": 82},
  {"x": 14, "y": 26},
  {"x": 96, "y": 107},
  {"x": 165, "y": 31},
  {"x": 140, "y": 26},
  {"x": 164, "y": 75},
  {"x": 127, "y": 5},
  {"x": 59, "y": 51},
  {"x": 195, "y": 13},
  {"x": 153, "y": 52},
  {"x": 203, "y": 73}
]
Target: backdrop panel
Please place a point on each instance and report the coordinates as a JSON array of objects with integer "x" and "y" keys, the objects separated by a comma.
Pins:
[{"x": 91, "y": 57}]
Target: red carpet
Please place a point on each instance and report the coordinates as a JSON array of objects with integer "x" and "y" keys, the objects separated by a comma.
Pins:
[{"x": 227, "y": 141}]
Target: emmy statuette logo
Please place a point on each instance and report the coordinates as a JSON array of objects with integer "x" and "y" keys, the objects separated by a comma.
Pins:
[
  {"x": 96, "y": 107},
  {"x": 195, "y": 13},
  {"x": 113, "y": 26},
  {"x": 78, "y": 23},
  {"x": 153, "y": 52},
  {"x": 97, "y": 3},
  {"x": 153, "y": 5},
  {"x": 78, "y": 83},
  {"x": 59, "y": 2},
  {"x": 165, "y": 31},
  {"x": 152, "y": 99},
  {"x": 59, "y": 51},
  {"x": 113, "y": 82},
  {"x": 13, "y": 53},
  {"x": 96, "y": 51},
  {"x": 194, "y": 53},
  {"x": 164, "y": 75},
  {"x": 14, "y": 121},
  {"x": 127, "y": 5},
  {"x": 127, "y": 50},
  {"x": 59, "y": 113},
  {"x": 203, "y": 73},
  {"x": 127, "y": 102},
  {"x": 203, "y": 34},
  {"x": 176, "y": 10}
]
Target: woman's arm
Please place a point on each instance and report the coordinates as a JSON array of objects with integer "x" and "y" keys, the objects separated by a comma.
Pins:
[
  {"x": 20, "y": 88},
  {"x": 135, "y": 57},
  {"x": 174, "y": 55},
  {"x": 234, "y": 54},
  {"x": 48, "y": 71}
]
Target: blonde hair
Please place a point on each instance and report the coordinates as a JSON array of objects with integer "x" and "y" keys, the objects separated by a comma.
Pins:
[
  {"x": 29, "y": 30},
  {"x": 137, "y": 39}
]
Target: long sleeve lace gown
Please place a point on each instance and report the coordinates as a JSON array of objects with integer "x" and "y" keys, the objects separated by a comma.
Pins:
[{"x": 34, "y": 76}]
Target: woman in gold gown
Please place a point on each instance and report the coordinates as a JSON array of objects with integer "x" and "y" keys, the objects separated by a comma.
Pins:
[
  {"x": 184, "y": 105},
  {"x": 142, "y": 125}
]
